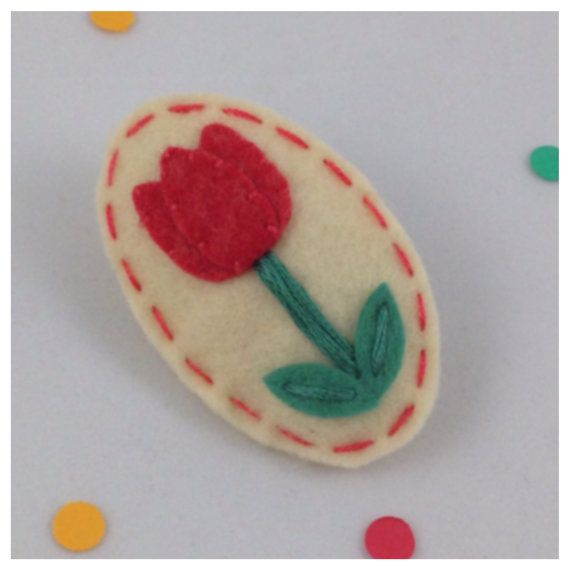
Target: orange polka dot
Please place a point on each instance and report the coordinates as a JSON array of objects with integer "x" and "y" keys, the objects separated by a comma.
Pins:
[
  {"x": 113, "y": 21},
  {"x": 79, "y": 526}
]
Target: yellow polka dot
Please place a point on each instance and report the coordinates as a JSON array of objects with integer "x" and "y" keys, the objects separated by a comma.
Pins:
[
  {"x": 78, "y": 526},
  {"x": 113, "y": 21}
]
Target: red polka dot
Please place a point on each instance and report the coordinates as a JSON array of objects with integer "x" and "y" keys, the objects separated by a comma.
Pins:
[{"x": 390, "y": 537}]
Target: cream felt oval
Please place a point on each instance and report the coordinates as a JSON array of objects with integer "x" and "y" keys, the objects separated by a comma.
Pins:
[{"x": 223, "y": 338}]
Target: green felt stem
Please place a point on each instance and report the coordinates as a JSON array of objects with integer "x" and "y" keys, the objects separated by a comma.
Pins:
[{"x": 306, "y": 314}]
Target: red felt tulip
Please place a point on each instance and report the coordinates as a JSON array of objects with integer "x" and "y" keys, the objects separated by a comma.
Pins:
[{"x": 216, "y": 209}]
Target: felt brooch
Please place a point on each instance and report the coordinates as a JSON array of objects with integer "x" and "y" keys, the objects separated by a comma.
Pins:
[{"x": 267, "y": 273}]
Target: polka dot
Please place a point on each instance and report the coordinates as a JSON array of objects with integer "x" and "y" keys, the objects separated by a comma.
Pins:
[
  {"x": 78, "y": 526},
  {"x": 544, "y": 162},
  {"x": 113, "y": 21},
  {"x": 390, "y": 537}
]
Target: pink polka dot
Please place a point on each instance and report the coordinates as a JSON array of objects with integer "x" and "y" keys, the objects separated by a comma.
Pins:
[{"x": 390, "y": 537}]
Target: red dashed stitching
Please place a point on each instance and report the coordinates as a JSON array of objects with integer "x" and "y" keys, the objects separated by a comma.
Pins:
[
  {"x": 402, "y": 419},
  {"x": 404, "y": 259},
  {"x": 162, "y": 322},
  {"x": 130, "y": 274},
  {"x": 111, "y": 168},
  {"x": 294, "y": 437},
  {"x": 197, "y": 370},
  {"x": 292, "y": 137},
  {"x": 134, "y": 129},
  {"x": 351, "y": 447},
  {"x": 375, "y": 212},
  {"x": 422, "y": 365},
  {"x": 110, "y": 216},
  {"x": 244, "y": 408},
  {"x": 337, "y": 171},
  {"x": 184, "y": 109},
  {"x": 241, "y": 114},
  {"x": 421, "y": 312},
  {"x": 345, "y": 179}
]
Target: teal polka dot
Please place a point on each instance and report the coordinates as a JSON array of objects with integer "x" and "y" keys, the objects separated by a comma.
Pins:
[{"x": 544, "y": 162}]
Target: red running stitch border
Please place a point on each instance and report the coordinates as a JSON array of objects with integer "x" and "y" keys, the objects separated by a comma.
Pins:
[
  {"x": 375, "y": 212},
  {"x": 352, "y": 447},
  {"x": 111, "y": 168},
  {"x": 292, "y": 137},
  {"x": 197, "y": 370},
  {"x": 110, "y": 216},
  {"x": 241, "y": 114},
  {"x": 134, "y": 129},
  {"x": 422, "y": 366},
  {"x": 130, "y": 274},
  {"x": 188, "y": 108},
  {"x": 404, "y": 259},
  {"x": 402, "y": 419},
  {"x": 294, "y": 437},
  {"x": 162, "y": 322},
  {"x": 335, "y": 169},
  {"x": 422, "y": 319},
  {"x": 244, "y": 408}
]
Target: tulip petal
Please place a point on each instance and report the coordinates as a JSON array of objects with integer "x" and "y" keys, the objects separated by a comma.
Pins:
[
  {"x": 217, "y": 208},
  {"x": 232, "y": 148},
  {"x": 155, "y": 217}
]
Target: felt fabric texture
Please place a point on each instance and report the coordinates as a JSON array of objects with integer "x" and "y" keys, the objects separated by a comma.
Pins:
[
  {"x": 234, "y": 331},
  {"x": 380, "y": 341},
  {"x": 321, "y": 391},
  {"x": 156, "y": 218},
  {"x": 305, "y": 313},
  {"x": 224, "y": 203},
  {"x": 363, "y": 375},
  {"x": 228, "y": 145}
]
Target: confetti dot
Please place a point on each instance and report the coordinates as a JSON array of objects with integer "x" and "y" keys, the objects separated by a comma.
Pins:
[
  {"x": 113, "y": 21},
  {"x": 544, "y": 162},
  {"x": 390, "y": 537},
  {"x": 78, "y": 526}
]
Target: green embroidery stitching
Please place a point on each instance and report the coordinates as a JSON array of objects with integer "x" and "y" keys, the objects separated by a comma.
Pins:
[
  {"x": 306, "y": 314},
  {"x": 363, "y": 373},
  {"x": 320, "y": 391},
  {"x": 380, "y": 340}
]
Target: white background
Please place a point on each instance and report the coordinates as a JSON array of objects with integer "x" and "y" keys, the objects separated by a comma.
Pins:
[{"x": 440, "y": 111}]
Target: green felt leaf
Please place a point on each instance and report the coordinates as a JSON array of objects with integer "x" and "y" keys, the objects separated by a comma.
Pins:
[
  {"x": 317, "y": 390},
  {"x": 380, "y": 340}
]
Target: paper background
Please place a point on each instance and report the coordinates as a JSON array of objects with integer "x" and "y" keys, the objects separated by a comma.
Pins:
[{"x": 440, "y": 111}]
